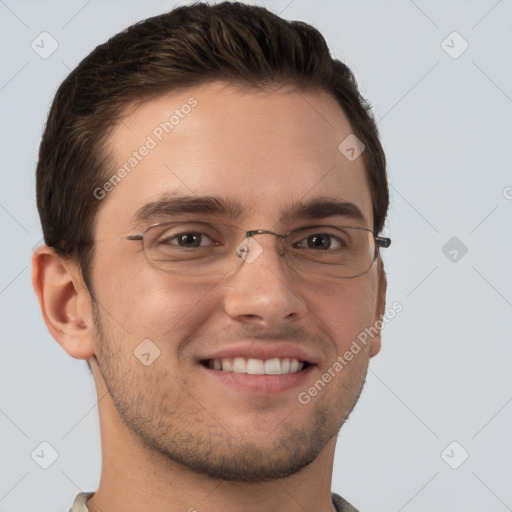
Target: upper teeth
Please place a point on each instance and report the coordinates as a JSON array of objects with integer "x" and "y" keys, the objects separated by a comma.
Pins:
[{"x": 275, "y": 366}]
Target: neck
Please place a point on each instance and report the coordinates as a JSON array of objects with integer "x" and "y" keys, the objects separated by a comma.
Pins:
[{"x": 135, "y": 477}]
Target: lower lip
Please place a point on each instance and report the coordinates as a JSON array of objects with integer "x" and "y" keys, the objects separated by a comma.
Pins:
[{"x": 261, "y": 384}]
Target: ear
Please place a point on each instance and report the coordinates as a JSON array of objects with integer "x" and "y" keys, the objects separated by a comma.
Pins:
[
  {"x": 65, "y": 302},
  {"x": 381, "y": 308}
]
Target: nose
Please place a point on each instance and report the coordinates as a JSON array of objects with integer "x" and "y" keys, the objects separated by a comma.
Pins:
[{"x": 263, "y": 290}]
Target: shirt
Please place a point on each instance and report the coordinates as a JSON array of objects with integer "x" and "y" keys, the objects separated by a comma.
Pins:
[{"x": 79, "y": 504}]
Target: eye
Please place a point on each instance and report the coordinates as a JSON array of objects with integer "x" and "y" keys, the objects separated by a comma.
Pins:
[
  {"x": 189, "y": 239},
  {"x": 326, "y": 239},
  {"x": 186, "y": 241},
  {"x": 321, "y": 242}
]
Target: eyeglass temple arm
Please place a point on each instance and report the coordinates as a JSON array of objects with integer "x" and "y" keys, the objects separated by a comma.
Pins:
[
  {"x": 382, "y": 241},
  {"x": 131, "y": 237}
]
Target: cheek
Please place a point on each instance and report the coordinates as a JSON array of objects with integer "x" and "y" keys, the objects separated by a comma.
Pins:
[
  {"x": 144, "y": 303},
  {"x": 345, "y": 310}
]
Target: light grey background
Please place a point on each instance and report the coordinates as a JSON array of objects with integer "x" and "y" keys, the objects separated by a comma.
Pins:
[{"x": 444, "y": 372}]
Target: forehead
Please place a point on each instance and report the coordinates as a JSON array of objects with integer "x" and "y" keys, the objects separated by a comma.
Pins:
[{"x": 265, "y": 150}]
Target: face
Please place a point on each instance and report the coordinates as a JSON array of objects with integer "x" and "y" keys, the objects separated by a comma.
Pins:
[{"x": 264, "y": 152}]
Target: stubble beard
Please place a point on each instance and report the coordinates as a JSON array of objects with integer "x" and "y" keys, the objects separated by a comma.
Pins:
[{"x": 202, "y": 444}]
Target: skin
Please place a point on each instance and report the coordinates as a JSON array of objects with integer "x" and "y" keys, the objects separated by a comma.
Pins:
[{"x": 166, "y": 429}]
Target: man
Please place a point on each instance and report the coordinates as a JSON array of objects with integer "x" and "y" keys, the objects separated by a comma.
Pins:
[{"x": 211, "y": 187}]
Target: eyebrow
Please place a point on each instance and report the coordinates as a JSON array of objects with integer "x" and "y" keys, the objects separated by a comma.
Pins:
[
  {"x": 318, "y": 208},
  {"x": 321, "y": 208},
  {"x": 167, "y": 205}
]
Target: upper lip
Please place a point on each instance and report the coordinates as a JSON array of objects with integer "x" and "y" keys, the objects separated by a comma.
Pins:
[{"x": 269, "y": 350}]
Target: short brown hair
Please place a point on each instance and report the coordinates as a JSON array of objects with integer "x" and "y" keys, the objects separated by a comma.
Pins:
[{"x": 190, "y": 45}]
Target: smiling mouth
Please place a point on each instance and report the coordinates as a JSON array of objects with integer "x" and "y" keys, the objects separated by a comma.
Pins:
[{"x": 252, "y": 366}]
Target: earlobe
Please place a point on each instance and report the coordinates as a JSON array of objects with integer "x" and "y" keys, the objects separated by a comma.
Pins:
[
  {"x": 64, "y": 301},
  {"x": 380, "y": 310}
]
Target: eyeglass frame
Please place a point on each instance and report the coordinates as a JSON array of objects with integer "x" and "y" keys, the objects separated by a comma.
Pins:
[{"x": 380, "y": 242}]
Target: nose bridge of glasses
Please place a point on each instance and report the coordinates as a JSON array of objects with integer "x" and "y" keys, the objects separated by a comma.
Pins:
[
  {"x": 251, "y": 233},
  {"x": 249, "y": 250}
]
